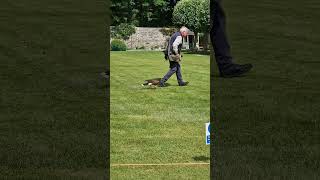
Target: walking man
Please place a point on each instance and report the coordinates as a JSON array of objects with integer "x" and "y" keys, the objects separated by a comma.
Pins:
[{"x": 173, "y": 54}]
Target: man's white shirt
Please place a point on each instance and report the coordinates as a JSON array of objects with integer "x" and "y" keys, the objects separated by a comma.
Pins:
[{"x": 176, "y": 44}]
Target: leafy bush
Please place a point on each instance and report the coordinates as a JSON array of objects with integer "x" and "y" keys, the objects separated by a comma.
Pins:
[
  {"x": 123, "y": 31},
  {"x": 168, "y": 31},
  {"x": 192, "y": 13},
  {"x": 118, "y": 45}
]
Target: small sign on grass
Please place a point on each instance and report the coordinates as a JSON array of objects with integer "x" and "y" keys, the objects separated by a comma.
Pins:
[{"x": 208, "y": 126}]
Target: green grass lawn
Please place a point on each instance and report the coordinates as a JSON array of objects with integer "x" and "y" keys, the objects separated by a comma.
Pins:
[
  {"x": 268, "y": 122},
  {"x": 162, "y": 125},
  {"x": 52, "y": 98}
]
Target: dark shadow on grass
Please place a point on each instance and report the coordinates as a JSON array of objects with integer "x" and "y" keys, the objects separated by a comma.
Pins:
[
  {"x": 147, "y": 87},
  {"x": 215, "y": 75},
  {"x": 201, "y": 158},
  {"x": 200, "y": 52},
  {"x": 309, "y": 62},
  {"x": 240, "y": 76}
]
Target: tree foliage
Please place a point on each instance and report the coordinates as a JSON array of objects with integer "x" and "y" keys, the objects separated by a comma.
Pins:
[
  {"x": 123, "y": 31},
  {"x": 151, "y": 13},
  {"x": 168, "y": 31},
  {"x": 192, "y": 13}
]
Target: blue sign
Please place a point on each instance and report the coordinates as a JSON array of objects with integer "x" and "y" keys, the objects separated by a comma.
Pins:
[{"x": 208, "y": 127}]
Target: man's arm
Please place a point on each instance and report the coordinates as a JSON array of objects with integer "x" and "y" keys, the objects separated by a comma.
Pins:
[{"x": 176, "y": 44}]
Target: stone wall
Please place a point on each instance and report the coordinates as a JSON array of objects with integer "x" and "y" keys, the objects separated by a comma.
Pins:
[{"x": 147, "y": 38}]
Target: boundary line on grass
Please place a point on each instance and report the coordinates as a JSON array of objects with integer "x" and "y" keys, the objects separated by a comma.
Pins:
[{"x": 164, "y": 164}]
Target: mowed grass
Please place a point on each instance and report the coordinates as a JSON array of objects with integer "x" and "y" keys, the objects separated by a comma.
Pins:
[
  {"x": 267, "y": 123},
  {"x": 161, "y": 125},
  {"x": 52, "y": 98}
]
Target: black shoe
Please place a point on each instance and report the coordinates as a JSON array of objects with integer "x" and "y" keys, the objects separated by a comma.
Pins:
[
  {"x": 236, "y": 70},
  {"x": 246, "y": 66},
  {"x": 183, "y": 83},
  {"x": 161, "y": 84}
]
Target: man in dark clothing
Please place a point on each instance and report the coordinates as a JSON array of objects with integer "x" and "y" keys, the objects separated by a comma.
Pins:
[
  {"x": 173, "y": 54},
  {"x": 227, "y": 67}
]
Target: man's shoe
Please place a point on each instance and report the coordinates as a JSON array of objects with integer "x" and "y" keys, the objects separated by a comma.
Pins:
[
  {"x": 161, "y": 84},
  {"x": 246, "y": 66},
  {"x": 236, "y": 70},
  {"x": 183, "y": 83}
]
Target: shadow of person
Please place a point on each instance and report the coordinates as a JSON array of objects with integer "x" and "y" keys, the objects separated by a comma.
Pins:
[
  {"x": 155, "y": 86},
  {"x": 201, "y": 158}
]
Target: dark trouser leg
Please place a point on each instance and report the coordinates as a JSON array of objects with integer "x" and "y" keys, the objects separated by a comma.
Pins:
[
  {"x": 169, "y": 74},
  {"x": 218, "y": 36},
  {"x": 178, "y": 73}
]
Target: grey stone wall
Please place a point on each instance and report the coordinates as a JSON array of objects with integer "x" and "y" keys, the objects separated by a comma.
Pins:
[{"x": 147, "y": 38}]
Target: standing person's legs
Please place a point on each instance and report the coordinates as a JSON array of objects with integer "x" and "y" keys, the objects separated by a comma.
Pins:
[
  {"x": 220, "y": 44},
  {"x": 219, "y": 37},
  {"x": 169, "y": 74},
  {"x": 172, "y": 70},
  {"x": 178, "y": 74}
]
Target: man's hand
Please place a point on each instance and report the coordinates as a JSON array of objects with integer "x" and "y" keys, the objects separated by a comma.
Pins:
[{"x": 176, "y": 58}]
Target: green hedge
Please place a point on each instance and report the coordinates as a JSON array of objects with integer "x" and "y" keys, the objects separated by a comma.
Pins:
[{"x": 118, "y": 45}]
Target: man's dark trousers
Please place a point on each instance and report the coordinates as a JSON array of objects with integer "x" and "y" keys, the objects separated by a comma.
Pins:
[
  {"x": 174, "y": 68},
  {"x": 218, "y": 35}
]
